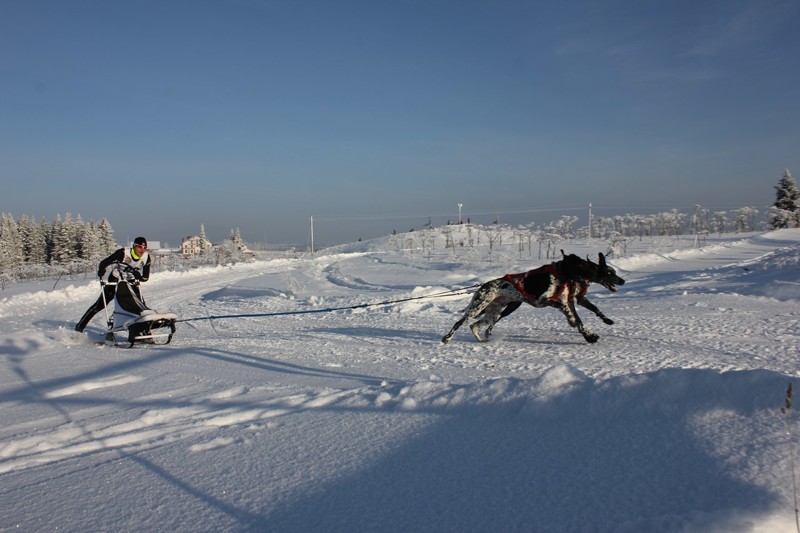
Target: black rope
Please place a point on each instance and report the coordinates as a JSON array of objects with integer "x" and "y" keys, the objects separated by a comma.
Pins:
[{"x": 453, "y": 292}]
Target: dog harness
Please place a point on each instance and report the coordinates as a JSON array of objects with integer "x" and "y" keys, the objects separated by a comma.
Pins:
[{"x": 518, "y": 281}]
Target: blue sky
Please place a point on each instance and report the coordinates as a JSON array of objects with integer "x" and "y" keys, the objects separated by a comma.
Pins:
[{"x": 375, "y": 115}]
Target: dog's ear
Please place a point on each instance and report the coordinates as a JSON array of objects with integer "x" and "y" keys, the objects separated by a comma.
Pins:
[
  {"x": 563, "y": 255},
  {"x": 602, "y": 260}
]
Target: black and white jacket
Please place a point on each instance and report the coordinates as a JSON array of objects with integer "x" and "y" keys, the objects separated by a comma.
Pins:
[{"x": 126, "y": 256}]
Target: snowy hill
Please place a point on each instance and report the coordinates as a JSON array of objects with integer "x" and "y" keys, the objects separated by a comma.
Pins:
[{"x": 353, "y": 416}]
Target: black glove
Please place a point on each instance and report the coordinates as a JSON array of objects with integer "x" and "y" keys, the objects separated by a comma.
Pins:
[
  {"x": 100, "y": 273},
  {"x": 137, "y": 275}
]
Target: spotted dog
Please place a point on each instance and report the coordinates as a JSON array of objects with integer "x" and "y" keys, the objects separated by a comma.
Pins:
[{"x": 558, "y": 285}]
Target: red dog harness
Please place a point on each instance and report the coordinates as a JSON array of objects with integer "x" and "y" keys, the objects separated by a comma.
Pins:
[{"x": 518, "y": 281}]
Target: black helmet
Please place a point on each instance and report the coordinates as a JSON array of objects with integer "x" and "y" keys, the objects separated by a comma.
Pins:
[{"x": 139, "y": 240}]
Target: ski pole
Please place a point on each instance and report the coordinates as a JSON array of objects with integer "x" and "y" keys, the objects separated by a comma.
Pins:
[{"x": 105, "y": 303}]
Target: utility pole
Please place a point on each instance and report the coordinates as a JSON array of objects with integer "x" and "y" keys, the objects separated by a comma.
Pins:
[
  {"x": 312, "y": 234},
  {"x": 459, "y": 213},
  {"x": 590, "y": 220}
]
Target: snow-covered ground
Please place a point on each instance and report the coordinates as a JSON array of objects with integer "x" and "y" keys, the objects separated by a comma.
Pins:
[{"x": 362, "y": 420}]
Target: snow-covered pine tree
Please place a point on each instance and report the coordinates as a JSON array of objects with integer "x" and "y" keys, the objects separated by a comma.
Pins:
[
  {"x": 34, "y": 248},
  {"x": 231, "y": 250},
  {"x": 236, "y": 237},
  {"x": 63, "y": 242},
  {"x": 785, "y": 212},
  {"x": 91, "y": 244},
  {"x": 27, "y": 235},
  {"x": 78, "y": 237},
  {"x": 11, "y": 254},
  {"x": 203, "y": 241},
  {"x": 106, "y": 236},
  {"x": 38, "y": 251}
]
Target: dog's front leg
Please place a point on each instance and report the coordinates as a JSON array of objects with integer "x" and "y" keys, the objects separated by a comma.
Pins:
[
  {"x": 510, "y": 308},
  {"x": 593, "y": 308},
  {"x": 574, "y": 320}
]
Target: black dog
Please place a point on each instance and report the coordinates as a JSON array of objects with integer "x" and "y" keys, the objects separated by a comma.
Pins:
[{"x": 557, "y": 285}]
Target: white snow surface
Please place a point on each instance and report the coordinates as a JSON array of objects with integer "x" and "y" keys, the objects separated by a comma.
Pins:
[{"x": 360, "y": 419}]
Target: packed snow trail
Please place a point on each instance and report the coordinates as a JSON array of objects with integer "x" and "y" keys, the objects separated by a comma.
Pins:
[{"x": 361, "y": 420}]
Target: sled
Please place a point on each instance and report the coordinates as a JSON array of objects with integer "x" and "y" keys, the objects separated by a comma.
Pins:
[{"x": 131, "y": 321}]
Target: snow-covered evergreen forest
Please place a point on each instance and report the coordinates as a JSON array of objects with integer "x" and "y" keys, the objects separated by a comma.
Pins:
[{"x": 68, "y": 245}]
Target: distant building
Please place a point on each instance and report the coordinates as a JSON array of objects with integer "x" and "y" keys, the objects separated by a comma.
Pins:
[
  {"x": 246, "y": 252},
  {"x": 194, "y": 245}
]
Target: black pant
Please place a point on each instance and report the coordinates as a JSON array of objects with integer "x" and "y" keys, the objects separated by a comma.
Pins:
[
  {"x": 110, "y": 289},
  {"x": 96, "y": 307}
]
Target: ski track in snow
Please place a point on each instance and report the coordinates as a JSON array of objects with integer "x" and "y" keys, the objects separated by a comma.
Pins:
[{"x": 360, "y": 419}]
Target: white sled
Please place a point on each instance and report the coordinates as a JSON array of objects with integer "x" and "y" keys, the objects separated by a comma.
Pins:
[{"x": 132, "y": 321}]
